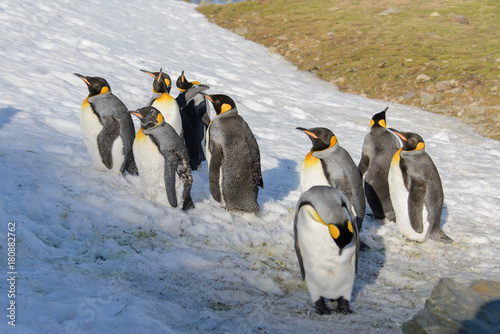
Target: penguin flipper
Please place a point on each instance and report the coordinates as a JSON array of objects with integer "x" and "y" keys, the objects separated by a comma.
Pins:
[
  {"x": 184, "y": 173},
  {"x": 191, "y": 141},
  {"x": 206, "y": 119},
  {"x": 297, "y": 245},
  {"x": 363, "y": 163},
  {"x": 345, "y": 204},
  {"x": 170, "y": 168},
  {"x": 416, "y": 204},
  {"x": 214, "y": 171},
  {"x": 105, "y": 139}
]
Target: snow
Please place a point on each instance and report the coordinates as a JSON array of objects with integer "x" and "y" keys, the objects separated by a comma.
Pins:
[{"x": 94, "y": 256}]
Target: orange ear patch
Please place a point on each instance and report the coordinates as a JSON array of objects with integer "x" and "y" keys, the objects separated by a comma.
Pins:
[{"x": 225, "y": 107}]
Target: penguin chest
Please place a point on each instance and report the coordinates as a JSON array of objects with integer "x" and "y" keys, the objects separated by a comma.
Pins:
[
  {"x": 151, "y": 166},
  {"x": 169, "y": 108},
  {"x": 91, "y": 127},
  {"x": 399, "y": 198},
  {"x": 312, "y": 173},
  {"x": 327, "y": 273}
]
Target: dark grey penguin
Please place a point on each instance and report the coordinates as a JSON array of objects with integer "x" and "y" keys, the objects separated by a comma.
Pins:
[{"x": 233, "y": 157}]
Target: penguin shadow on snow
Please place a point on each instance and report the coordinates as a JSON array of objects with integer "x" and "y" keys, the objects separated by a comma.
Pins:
[
  {"x": 279, "y": 181},
  {"x": 6, "y": 115}
]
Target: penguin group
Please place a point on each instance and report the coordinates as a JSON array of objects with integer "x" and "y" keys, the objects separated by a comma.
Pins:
[
  {"x": 395, "y": 177},
  {"x": 175, "y": 136}
]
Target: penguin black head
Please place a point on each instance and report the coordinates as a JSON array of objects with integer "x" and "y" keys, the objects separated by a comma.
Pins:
[
  {"x": 378, "y": 120},
  {"x": 149, "y": 117},
  {"x": 96, "y": 85},
  {"x": 221, "y": 103},
  {"x": 162, "y": 82},
  {"x": 322, "y": 138},
  {"x": 182, "y": 83},
  {"x": 411, "y": 141},
  {"x": 341, "y": 231}
]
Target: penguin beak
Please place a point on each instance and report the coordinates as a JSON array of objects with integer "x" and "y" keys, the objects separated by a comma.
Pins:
[
  {"x": 83, "y": 78},
  {"x": 396, "y": 132},
  {"x": 147, "y": 72},
  {"x": 136, "y": 114},
  {"x": 208, "y": 97},
  {"x": 307, "y": 132}
]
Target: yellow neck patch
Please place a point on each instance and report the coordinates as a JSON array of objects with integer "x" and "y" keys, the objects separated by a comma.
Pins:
[
  {"x": 419, "y": 146},
  {"x": 167, "y": 82},
  {"x": 372, "y": 123},
  {"x": 333, "y": 141},
  {"x": 397, "y": 156},
  {"x": 334, "y": 230},
  {"x": 225, "y": 107},
  {"x": 382, "y": 123},
  {"x": 140, "y": 135},
  {"x": 196, "y": 83},
  {"x": 104, "y": 90},
  {"x": 310, "y": 160},
  {"x": 85, "y": 103},
  {"x": 159, "y": 118},
  {"x": 164, "y": 98},
  {"x": 349, "y": 226}
]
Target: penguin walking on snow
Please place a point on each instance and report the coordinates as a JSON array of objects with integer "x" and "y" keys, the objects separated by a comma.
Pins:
[
  {"x": 327, "y": 246},
  {"x": 379, "y": 147},
  {"x": 164, "y": 102},
  {"x": 195, "y": 118},
  {"x": 416, "y": 191},
  {"x": 331, "y": 165},
  {"x": 233, "y": 158},
  {"x": 162, "y": 160},
  {"x": 107, "y": 127}
]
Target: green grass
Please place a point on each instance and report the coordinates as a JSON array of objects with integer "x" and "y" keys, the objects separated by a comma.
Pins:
[{"x": 349, "y": 43}]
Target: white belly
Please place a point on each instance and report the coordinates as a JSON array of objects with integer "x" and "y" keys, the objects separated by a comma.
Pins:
[
  {"x": 170, "y": 111},
  {"x": 91, "y": 127},
  {"x": 327, "y": 274},
  {"x": 311, "y": 174},
  {"x": 399, "y": 198}
]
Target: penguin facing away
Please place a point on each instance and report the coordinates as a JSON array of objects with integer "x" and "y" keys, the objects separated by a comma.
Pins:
[
  {"x": 107, "y": 127},
  {"x": 233, "y": 158},
  {"x": 331, "y": 165},
  {"x": 416, "y": 191},
  {"x": 195, "y": 119},
  {"x": 162, "y": 161},
  {"x": 327, "y": 246},
  {"x": 379, "y": 147},
  {"x": 164, "y": 102}
]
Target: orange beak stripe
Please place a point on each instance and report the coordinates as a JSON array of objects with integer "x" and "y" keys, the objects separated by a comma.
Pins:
[
  {"x": 136, "y": 114},
  {"x": 310, "y": 134},
  {"x": 400, "y": 136}
]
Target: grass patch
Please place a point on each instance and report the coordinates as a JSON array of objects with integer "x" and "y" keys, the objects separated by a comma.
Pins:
[{"x": 380, "y": 56}]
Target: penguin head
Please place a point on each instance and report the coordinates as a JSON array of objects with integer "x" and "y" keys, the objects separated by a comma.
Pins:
[
  {"x": 96, "y": 85},
  {"x": 182, "y": 83},
  {"x": 322, "y": 138},
  {"x": 335, "y": 218},
  {"x": 411, "y": 141},
  {"x": 149, "y": 117},
  {"x": 221, "y": 103},
  {"x": 162, "y": 82},
  {"x": 378, "y": 120}
]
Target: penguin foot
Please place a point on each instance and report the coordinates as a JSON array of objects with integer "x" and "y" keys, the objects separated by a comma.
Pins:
[
  {"x": 440, "y": 236},
  {"x": 188, "y": 204},
  {"x": 321, "y": 307},
  {"x": 343, "y": 306}
]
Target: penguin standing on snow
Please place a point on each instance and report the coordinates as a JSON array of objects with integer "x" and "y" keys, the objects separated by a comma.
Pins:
[
  {"x": 379, "y": 147},
  {"x": 233, "y": 158},
  {"x": 160, "y": 156},
  {"x": 331, "y": 165},
  {"x": 107, "y": 127},
  {"x": 195, "y": 118},
  {"x": 416, "y": 191},
  {"x": 327, "y": 246},
  {"x": 165, "y": 103}
]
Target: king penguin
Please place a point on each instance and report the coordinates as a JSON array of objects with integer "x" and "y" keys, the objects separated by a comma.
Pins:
[
  {"x": 379, "y": 147},
  {"x": 195, "y": 119},
  {"x": 160, "y": 156},
  {"x": 164, "y": 102},
  {"x": 233, "y": 157},
  {"x": 331, "y": 165},
  {"x": 107, "y": 127},
  {"x": 416, "y": 191},
  {"x": 327, "y": 246}
]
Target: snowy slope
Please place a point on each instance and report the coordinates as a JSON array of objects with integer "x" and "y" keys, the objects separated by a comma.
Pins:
[{"x": 94, "y": 256}]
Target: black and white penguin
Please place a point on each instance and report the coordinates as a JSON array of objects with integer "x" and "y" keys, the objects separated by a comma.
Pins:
[
  {"x": 164, "y": 102},
  {"x": 329, "y": 164},
  {"x": 416, "y": 191},
  {"x": 107, "y": 127},
  {"x": 233, "y": 157},
  {"x": 379, "y": 147},
  {"x": 162, "y": 161},
  {"x": 195, "y": 118},
  {"x": 327, "y": 246}
]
